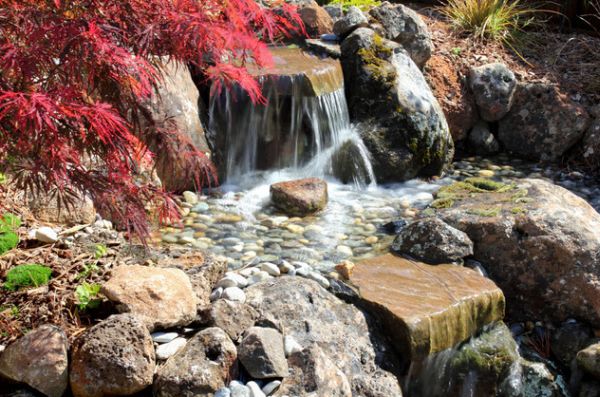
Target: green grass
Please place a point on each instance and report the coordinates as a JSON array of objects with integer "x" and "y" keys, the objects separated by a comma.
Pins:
[{"x": 29, "y": 275}]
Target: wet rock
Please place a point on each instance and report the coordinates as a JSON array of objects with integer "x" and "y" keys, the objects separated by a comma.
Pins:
[
  {"x": 589, "y": 389},
  {"x": 114, "y": 357},
  {"x": 406, "y": 27},
  {"x": 433, "y": 241},
  {"x": 539, "y": 242},
  {"x": 316, "y": 20},
  {"x": 349, "y": 165},
  {"x": 535, "y": 379},
  {"x": 312, "y": 371},
  {"x": 204, "y": 277},
  {"x": 232, "y": 317},
  {"x": 494, "y": 87},
  {"x": 326, "y": 48},
  {"x": 588, "y": 359},
  {"x": 311, "y": 315},
  {"x": 426, "y": 309},
  {"x": 407, "y": 133},
  {"x": 542, "y": 124},
  {"x": 176, "y": 105},
  {"x": 161, "y": 297},
  {"x": 352, "y": 19},
  {"x": 300, "y": 197},
  {"x": 261, "y": 353},
  {"x": 481, "y": 139},
  {"x": 568, "y": 339},
  {"x": 38, "y": 359},
  {"x": 200, "y": 369}
]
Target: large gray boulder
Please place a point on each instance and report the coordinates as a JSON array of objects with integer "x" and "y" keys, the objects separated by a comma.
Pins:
[
  {"x": 493, "y": 86},
  {"x": 115, "y": 357},
  {"x": 542, "y": 123},
  {"x": 344, "y": 335},
  {"x": 405, "y": 26},
  {"x": 403, "y": 125}
]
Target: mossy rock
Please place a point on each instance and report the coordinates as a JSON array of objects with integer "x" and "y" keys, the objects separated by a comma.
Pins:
[
  {"x": 29, "y": 275},
  {"x": 8, "y": 241},
  {"x": 473, "y": 187}
]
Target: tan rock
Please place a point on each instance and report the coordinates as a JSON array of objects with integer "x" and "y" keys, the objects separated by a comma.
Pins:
[
  {"x": 38, "y": 359},
  {"x": 300, "y": 197},
  {"x": 46, "y": 208},
  {"x": 345, "y": 268},
  {"x": 316, "y": 20},
  {"x": 426, "y": 309},
  {"x": 160, "y": 297},
  {"x": 588, "y": 359}
]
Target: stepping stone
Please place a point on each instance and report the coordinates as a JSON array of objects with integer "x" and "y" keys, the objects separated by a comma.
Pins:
[{"x": 426, "y": 309}]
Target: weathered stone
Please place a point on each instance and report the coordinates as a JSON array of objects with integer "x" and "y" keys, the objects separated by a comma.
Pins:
[
  {"x": 176, "y": 105},
  {"x": 568, "y": 339},
  {"x": 114, "y": 357},
  {"x": 538, "y": 241},
  {"x": 542, "y": 123},
  {"x": 311, "y": 315},
  {"x": 38, "y": 359},
  {"x": 300, "y": 197},
  {"x": 588, "y": 359},
  {"x": 433, "y": 241},
  {"x": 204, "y": 276},
  {"x": 494, "y": 86},
  {"x": 406, "y": 27},
  {"x": 312, "y": 371},
  {"x": 535, "y": 380},
  {"x": 426, "y": 309},
  {"x": 405, "y": 128},
  {"x": 46, "y": 208},
  {"x": 352, "y": 19},
  {"x": 316, "y": 20},
  {"x": 482, "y": 141},
  {"x": 232, "y": 317},
  {"x": 326, "y": 48},
  {"x": 591, "y": 145},
  {"x": 200, "y": 369},
  {"x": 160, "y": 297},
  {"x": 348, "y": 164},
  {"x": 261, "y": 353}
]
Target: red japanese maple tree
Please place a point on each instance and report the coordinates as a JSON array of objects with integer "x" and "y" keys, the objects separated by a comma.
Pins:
[{"x": 74, "y": 73}]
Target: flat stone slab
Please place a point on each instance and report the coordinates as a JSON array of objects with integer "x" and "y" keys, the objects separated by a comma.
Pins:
[{"x": 425, "y": 309}]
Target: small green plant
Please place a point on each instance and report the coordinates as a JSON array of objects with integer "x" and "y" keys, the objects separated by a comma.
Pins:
[
  {"x": 29, "y": 275},
  {"x": 9, "y": 222},
  {"x": 362, "y": 4},
  {"x": 456, "y": 51},
  {"x": 88, "y": 270},
  {"x": 2, "y": 179},
  {"x": 12, "y": 309},
  {"x": 87, "y": 296},
  {"x": 100, "y": 251}
]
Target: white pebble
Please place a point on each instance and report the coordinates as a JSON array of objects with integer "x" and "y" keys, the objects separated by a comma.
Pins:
[
  {"x": 286, "y": 267},
  {"x": 255, "y": 390},
  {"x": 233, "y": 280},
  {"x": 291, "y": 346},
  {"x": 190, "y": 197},
  {"x": 270, "y": 387},
  {"x": 223, "y": 392},
  {"x": 167, "y": 350},
  {"x": 247, "y": 272},
  {"x": 303, "y": 271},
  {"x": 234, "y": 294},
  {"x": 270, "y": 268},
  {"x": 164, "y": 337},
  {"x": 216, "y": 294},
  {"x": 319, "y": 279},
  {"x": 258, "y": 277},
  {"x": 46, "y": 235},
  {"x": 238, "y": 389}
]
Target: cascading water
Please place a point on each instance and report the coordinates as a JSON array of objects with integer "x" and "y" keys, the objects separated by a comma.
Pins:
[{"x": 303, "y": 126}]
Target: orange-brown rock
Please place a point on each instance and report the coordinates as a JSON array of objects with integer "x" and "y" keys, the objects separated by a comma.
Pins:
[
  {"x": 316, "y": 20},
  {"x": 426, "y": 309},
  {"x": 300, "y": 197},
  {"x": 160, "y": 297}
]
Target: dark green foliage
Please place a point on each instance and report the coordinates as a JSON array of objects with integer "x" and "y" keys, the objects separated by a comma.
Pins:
[{"x": 29, "y": 275}]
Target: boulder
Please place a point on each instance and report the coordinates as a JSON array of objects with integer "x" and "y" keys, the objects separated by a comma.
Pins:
[
  {"x": 588, "y": 359},
  {"x": 353, "y": 19},
  {"x": 232, "y": 317},
  {"x": 405, "y": 26},
  {"x": 313, "y": 372},
  {"x": 200, "y": 369},
  {"x": 300, "y": 197},
  {"x": 426, "y": 309},
  {"x": 317, "y": 20},
  {"x": 568, "y": 340},
  {"x": 482, "y": 141},
  {"x": 433, "y": 241},
  {"x": 38, "y": 359},
  {"x": 403, "y": 125},
  {"x": 539, "y": 242},
  {"x": 204, "y": 275},
  {"x": 176, "y": 107},
  {"x": 591, "y": 145},
  {"x": 493, "y": 86},
  {"x": 348, "y": 337},
  {"x": 114, "y": 357},
  {"x": 160, "y": 297},
  {"x": 335, "y": 11},
  {"x": 542, "y": 123},
  {"x": 46, "y": 208},
  {"x": 453, "y": 95},
  {"x": 261, "y": 353}
]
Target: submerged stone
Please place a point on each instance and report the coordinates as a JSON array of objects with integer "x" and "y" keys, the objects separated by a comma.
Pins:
[
  {"x": 300, "y": 197},
  {"x": 426, "y": 309}
]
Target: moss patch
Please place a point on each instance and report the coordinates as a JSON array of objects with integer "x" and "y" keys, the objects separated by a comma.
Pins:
[
  {"x": 375, "y": 60},
  {"x": 441, "y": 203},
  {"x": 486, "y": 212},
  {"x": 30, "y": 275},
  {"x": 518, "y": 210},
  {"x": 488, "y": 185},
  {"x": 8, "y": 241}
]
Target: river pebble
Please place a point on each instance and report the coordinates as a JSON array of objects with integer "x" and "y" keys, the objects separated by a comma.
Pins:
[
  {"x": 163, "y": 352},
  {"x": 234, "y": 294}
]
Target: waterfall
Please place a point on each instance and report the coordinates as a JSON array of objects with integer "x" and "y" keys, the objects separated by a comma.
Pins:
[{"x": 303, "y": 126}]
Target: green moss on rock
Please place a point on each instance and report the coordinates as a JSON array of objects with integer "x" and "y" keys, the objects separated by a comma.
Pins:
[
  {"x": 485, "y": 212},
  {"x": 29, "y": 275},
  {"x": 440, "y": 203},
  {"x": 488, "y": 185}
]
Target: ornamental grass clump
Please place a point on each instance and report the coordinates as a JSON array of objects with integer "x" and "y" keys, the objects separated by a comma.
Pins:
[
  {"x": 498, "y": 20},
  {"x": 30, "y": 275}
]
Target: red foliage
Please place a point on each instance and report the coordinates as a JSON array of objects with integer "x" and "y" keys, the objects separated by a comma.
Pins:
[{"x": 73, "y": 75}]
